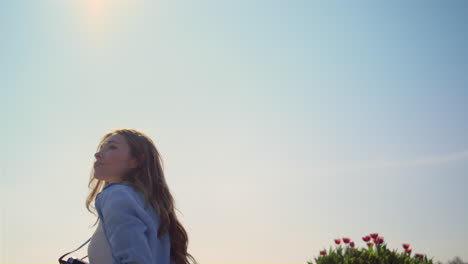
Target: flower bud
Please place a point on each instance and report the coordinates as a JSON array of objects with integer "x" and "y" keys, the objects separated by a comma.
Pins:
[
  {"x": 366, "y": 238},
  {"x": 374, "y": 235},
  {"x": 346, "y": 240},
  {"x": 379, "y": 240},
  {"x": 408, "y": 250},
  {"x": 323, "y": 252},
  {"x": 337, "y": 241},
  {"x": 406, "y": 246},
  {"x": 351, "y": 244}
]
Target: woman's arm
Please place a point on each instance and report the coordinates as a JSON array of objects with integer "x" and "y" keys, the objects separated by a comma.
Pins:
[{"x": 124, "y": 229}]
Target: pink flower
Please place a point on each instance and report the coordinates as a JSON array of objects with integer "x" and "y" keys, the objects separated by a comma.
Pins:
[
  {"x": 337, "y": 241},
  {"x": 379, "y": 240},
  {"x": 374, "y": 235},
  {"x": 346, "y": 240},
  {"x": 370, "y": 244},
  {"x": 323, "y": 252},
  {"x": 405, "y": 246},
  {"x": 408, "y": 250},
  {"x": 366, "y": 238},
  {"x": 351, "y": 244}
]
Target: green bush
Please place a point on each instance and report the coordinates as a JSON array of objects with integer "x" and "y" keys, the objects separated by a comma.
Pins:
[{"x": 375, "y": 252}]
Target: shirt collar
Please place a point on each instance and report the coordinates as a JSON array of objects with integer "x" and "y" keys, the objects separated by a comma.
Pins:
[{"x": 114, "y": 183}]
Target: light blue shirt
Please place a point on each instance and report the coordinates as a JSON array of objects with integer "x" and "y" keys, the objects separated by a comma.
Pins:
[{"x": 130, "y": 230}]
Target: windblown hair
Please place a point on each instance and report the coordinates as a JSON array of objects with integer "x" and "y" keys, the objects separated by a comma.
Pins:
[{"x": 148, "y": 178}]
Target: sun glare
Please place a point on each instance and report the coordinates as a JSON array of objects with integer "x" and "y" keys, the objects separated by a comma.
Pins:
[{"x": 95, "y": 9}]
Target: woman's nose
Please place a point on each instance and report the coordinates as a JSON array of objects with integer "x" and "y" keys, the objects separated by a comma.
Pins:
[{"x": 97, "y": 155}]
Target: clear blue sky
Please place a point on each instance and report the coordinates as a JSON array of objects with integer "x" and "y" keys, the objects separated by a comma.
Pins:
[{"x": 282, "y": 124}]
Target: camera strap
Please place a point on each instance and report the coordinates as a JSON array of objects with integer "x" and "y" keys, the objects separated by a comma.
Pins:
[{"x": 75, "y": 250}]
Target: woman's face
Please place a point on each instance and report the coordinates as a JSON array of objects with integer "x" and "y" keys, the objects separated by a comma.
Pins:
[{"x": 113, "y": 159}]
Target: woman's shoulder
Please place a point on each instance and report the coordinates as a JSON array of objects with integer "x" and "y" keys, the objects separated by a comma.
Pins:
[
  {"x": 118, "y": 191},
  {"x": 119, "y": 199},
  {"x": 117, "y": 185}
]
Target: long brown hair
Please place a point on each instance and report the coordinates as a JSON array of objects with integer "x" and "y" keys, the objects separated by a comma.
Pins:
[{"x": 148, "y": 178}]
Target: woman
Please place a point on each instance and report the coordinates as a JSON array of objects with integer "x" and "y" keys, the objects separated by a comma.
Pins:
[{"x": 137, "y": 221}]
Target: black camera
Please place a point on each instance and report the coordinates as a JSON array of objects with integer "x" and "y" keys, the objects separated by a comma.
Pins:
[{"x": 73, "y": 261}]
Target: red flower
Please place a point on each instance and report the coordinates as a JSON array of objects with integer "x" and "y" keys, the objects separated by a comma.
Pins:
[
  {"x": 323, "y": 252},
  {"x": 351, "y": 244},
  {"x": 374, "y": 235},
  {"x": 379, "y": 240},
  {"x": 419, "y": 255},
  {"x": 337, "y": 241},
  {"x": 408, "y": 250},
  {"x": 405, "y": 246},
  {"x": 366, "y": 238},
  {"x": 346, "y": 240},
  {"x": 370, "y": 244}
]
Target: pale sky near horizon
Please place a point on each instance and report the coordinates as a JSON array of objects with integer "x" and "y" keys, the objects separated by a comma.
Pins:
[{"x": 282, "y": 124}]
